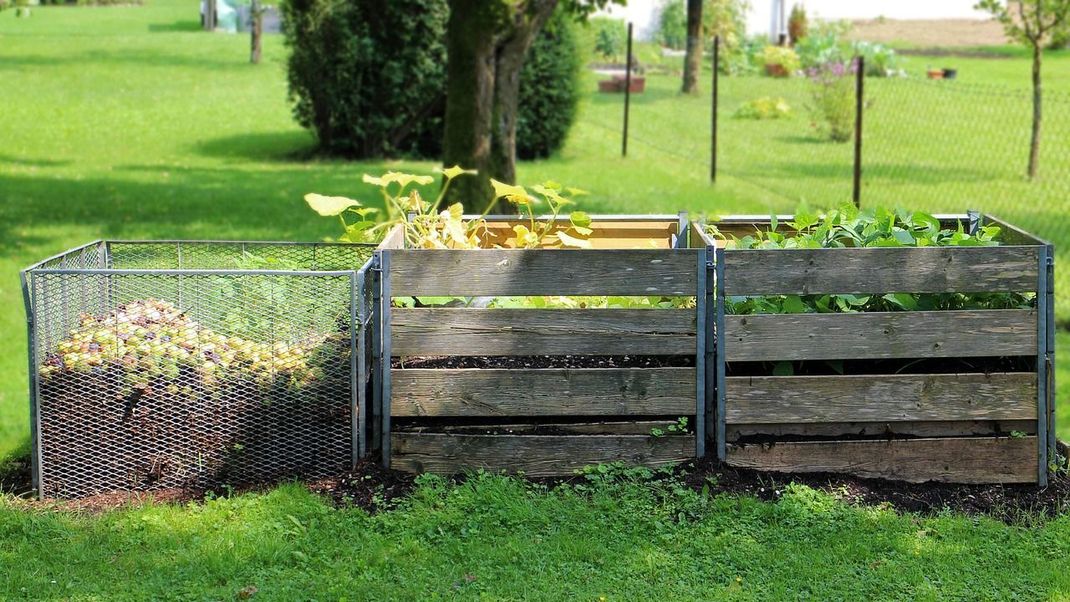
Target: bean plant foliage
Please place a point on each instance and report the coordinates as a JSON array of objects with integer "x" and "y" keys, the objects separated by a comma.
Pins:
[{"x": 847, "y": 227}]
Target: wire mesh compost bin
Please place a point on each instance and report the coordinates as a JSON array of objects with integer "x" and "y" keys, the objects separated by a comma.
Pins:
[{"x": 170, "y": 364}]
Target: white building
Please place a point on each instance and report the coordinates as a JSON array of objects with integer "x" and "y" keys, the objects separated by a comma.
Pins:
[{"x": 764, "y": 15}]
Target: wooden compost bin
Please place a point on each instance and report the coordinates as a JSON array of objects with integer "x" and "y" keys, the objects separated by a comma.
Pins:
[
  {"x": 970, "y": 426},
  {"x": 543, "y": 421}
]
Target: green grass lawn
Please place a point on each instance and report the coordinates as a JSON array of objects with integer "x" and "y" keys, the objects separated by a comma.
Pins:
[{"x": 129, "y": 122}]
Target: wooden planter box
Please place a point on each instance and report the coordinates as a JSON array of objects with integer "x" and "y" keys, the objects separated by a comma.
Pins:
[
  {"x": 907, "y": 425},
  {"x": 543, "y": 421},
  {"x": 617, "y": 84}
]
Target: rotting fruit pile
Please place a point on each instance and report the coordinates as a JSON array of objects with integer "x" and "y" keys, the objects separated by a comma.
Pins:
[{"x": 151, "y": 339}]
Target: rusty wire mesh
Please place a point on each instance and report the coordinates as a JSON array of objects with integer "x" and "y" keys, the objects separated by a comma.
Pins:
[{"x": 193, "y": 364}]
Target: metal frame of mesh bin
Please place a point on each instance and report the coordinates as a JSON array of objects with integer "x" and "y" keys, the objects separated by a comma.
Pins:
[{"x": 160, "y": 364}]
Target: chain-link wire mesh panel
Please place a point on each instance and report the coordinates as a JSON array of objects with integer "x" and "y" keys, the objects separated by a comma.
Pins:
[{"x": 149, "y": 378}]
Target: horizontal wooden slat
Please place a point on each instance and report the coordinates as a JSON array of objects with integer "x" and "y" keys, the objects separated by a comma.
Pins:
[
  {"x": 881, "y": 270},
  {"x": 543, "y": 392},
  {"x": 606, "y": 235},
  {"x": 921, "y": 334},
  {"x": 879, "y": 398},
  {"x": 607, "y": 427},
  {"x": 953, "y": 460},
  {"x": 521, "y": 272},
  {"x": 804, "y": 430},
  {"x": 449, "y": 331},
  {"x": 534, "y": 455}
]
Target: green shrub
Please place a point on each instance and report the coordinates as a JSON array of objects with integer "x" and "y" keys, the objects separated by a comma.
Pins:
[
  {"x": 368, "y": 77},
  {"x": 610, "y": 37},
  {"x": 833, "y": 95},
  {"x": 880, "y": 60},
  {"x": 823, "y": 44},
  {"x": 672, "y": 25},
  {"x": 763, "y": 108},
  {"x": 549, "y": 89},
  {"x": 780, "y": 61}
]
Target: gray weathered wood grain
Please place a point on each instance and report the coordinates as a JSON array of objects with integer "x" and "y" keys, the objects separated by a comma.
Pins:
[
  {"x": 449, "y": 331},
  {"x": 543, "y": 392},
  {"x": 952, "y": 460},
  {"x": 957, "y": 428},
  {"x": 587, "y": 427},
  {"x": 534, "y": 455},
  {"x": 881, "y": 270},
  {"x": 521, "y": 272},
  {"x": 975, "y": 333},
  {"x": 881, "y": 398}
]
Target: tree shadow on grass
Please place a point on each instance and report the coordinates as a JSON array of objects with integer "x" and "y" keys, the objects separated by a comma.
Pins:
[
  {"x": 24, "y": 162},
  {"x": 182, "y": 25},
  {"x": 265, "y": 146}
]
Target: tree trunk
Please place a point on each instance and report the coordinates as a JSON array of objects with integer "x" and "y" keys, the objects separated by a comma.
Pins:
[
  {"x": 256, "y": 14},
  {"x": 693, "y": 58},
  {"x": 487, "y": 43},
  {"x": 1034, "y": 143}
]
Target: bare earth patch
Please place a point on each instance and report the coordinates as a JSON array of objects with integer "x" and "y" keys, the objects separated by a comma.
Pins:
[{"x": 939, "y": 33}]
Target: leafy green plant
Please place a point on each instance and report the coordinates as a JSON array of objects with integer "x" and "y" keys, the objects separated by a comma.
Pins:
[
  {"x": 764, "y": 108},
  {"x": 832, "y": 94},
  {"x": 798, "y": 24},
  {"x": 428, "y": 227},
  {"x": 823, "y": 44},
  {"x": 780, "y": 61},
  {"x": 880, "y": 60},
  {"x": 877, "y": 227},
  {"x": 678, "y": 427},
  {"x": 610, "y": 36}
]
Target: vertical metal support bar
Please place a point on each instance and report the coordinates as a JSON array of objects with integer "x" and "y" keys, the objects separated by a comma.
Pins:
[
  {"x": 1050, "y": 360},
  {"x": 29, "y": 299},
  {"x": 713, "y": 109},
  {"x": 718, "y": 262},
  {"x": 385, "y": 359},
  {"x": 701, "y": 300},
  {"x": 1042, "y": 369},
  {"x": 682, "y": 227},
  {"x": 356, "y": 365},
  {"x": 860, "y": 78},
  {"x": 974, "y": 223},
  {"x": 627, "y": 93},
  {"x": 178, "y": 279},
  {"x": 377, "y": 346}
]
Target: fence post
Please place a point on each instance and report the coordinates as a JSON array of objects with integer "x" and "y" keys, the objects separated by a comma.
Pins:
[
  {"x": 627, "y": 93},
  {"x": 256, "y": 27},
  {"x": 713, "y": 109},
  {"x": 860, "y": 78}
]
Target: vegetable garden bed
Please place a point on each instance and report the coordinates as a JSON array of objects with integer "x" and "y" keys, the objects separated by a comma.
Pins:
[
  {"x": 962, "y": 395},
  {"x": 572, "y": 388}
]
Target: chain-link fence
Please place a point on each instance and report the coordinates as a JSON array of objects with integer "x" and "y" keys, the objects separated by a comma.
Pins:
[
  {"x": 192, "y": 364},
  {"x": 932, "y": 145}
]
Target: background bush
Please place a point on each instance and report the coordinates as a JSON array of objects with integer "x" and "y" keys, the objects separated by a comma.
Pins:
[
  {"x": 367, "y": 76},
  {"x": 549, "y": 89}
]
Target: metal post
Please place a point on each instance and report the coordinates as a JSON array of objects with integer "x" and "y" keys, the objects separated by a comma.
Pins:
[
  {"x": 681, "y": 231},
  {"x": 1042, "y": 368},
  {"x": 377, "y": 343},
  {"x": 974, "y": 224},
  {"x": 860, "y": 78},
  {"x": 356, "y": 365},
  {"x": 29, "y": 299},
  {"x": 1050, "y": 360},
  {"x": 701, "y": 300},
  {"x": 627, "y": 93},
  {"x": 384, "y": 360},
  {"x": 722, "y": 447},
  {"x": 713, "y": 111}
]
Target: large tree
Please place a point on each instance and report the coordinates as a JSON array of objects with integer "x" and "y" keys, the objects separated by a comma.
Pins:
[
  {"x": 693, "y": 55},
  {"x": 487, "y": 42},
  {"x": 1031, "y": 23}
]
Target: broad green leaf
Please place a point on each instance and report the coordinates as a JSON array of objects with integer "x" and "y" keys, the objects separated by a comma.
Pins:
[
  {"x": 456, "y": 170},
  {"x": 570, "y": 241},
  {"x": 328, "y": 206},
  {"x": 516, "y": 194}
]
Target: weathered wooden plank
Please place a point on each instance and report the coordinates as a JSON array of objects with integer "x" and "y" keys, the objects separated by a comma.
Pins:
[
  {"x": 881, "y": 270},
  {"x": 881, "y": 398},
  {"x": 605, "y": 427},
  {"x": 394, "y": 238},
  {"x": 449, "y": 331},
  {"x": 958, "y": 428},
  {"x": 543, "y": 392},
  {"x": 534, "y": 455},
  {"x": 979, "y": 333},
  {"x": 521, "y": 272},
  {"x": 953, "y": 460}
]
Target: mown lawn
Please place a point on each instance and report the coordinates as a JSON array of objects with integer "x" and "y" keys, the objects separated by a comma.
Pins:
[{"x": 128, "y": 122}]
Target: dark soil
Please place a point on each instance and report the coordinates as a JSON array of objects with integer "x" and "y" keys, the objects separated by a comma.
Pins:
[
  {"x": 369, "y": 486},
  {"x": 548, "y": 361}
]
